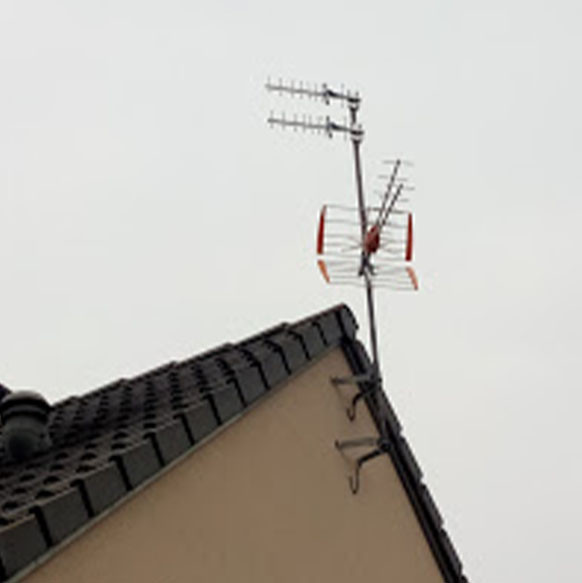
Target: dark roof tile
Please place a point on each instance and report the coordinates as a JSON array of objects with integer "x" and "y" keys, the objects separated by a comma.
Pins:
[
  {"x": 250, "y": 382},
  {"x": 271, "y": 364},
  {"x": 21, "y": 542},
  {"x": 451, "y": 552},
  {"x": 311, "y": 339},
  {"x": 431, "y": 505},
  {"x": 227, "y": 401},
  {"x": 171, "y": 441},
  {"x": 347, "y": 321},
  {"x": 330, "y": 327},
  {"x": 102, "y": 487},
  {"x": 291, "y": 350},
  {"x": 61, "y": 514},
  {"x": 137, "y": 462},
  {"x": 409, "y": 458},
  {"x": 392, "y": 419},
  {"x": 200, "y": 420}
]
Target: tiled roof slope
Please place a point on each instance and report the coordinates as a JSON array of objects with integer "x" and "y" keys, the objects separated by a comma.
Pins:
[{"x": 108, "y": 442}]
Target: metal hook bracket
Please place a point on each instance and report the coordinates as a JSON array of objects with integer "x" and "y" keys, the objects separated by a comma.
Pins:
[
  {"x": 356, "y": 380},
  {"x": 382, "y": 446}
]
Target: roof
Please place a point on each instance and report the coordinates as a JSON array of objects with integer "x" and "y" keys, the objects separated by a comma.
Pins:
[{"x": 109, "y": 442}]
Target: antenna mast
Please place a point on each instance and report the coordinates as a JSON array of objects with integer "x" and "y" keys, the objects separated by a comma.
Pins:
[{"x": 383, "y": 243}]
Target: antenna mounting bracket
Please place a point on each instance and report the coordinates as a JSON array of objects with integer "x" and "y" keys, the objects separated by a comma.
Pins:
[{"x": 382, "y": 446}]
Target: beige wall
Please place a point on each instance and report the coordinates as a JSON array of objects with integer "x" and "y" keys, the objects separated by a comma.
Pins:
[{"x": 266, "y": 501}]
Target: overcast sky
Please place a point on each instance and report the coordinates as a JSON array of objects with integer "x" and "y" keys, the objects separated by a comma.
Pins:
[{"x": 148, "y": 213}]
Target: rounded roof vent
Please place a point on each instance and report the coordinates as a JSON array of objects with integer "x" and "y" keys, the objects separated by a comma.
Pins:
[{"x": 24, "y": 417}]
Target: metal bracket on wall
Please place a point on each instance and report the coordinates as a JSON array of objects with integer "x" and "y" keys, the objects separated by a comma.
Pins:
[
  {"x": 382, "y": 446},
  {"x": 356, "y": 380}
]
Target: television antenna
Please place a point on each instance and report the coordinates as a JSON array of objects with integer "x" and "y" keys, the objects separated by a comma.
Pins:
[{"x": 369, "y": 246}]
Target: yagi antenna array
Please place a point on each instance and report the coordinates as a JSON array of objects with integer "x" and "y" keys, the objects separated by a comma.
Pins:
[
  {"x": 369, "y": 246},
  {"x": 323, "y": 92},
  {"x": 320, "y": 124}
]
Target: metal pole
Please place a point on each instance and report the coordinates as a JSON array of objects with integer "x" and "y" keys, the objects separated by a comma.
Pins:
[
  {"x": 373, "y": 335},
  {"x": 364, "y": 270},
  {"x": 356, "y": 141}
]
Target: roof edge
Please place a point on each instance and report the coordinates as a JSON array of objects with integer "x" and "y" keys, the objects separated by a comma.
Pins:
[{"x": 407, "y": 468}]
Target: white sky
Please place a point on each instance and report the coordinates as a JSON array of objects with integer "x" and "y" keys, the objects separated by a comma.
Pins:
[{"x": 148, "y": 213}]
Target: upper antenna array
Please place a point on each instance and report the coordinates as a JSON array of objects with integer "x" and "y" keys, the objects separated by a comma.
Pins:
[{"x": 320, "y": 124}]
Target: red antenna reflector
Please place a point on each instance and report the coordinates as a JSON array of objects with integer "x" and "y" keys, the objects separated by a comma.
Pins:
[
  {"x": 320, "y": 230},
  {"x": 413, "y": 277},
  {"x": 409, "y": 238},
  {"x": 372, "y": 240},
  {"x": 323, "y": 269}
]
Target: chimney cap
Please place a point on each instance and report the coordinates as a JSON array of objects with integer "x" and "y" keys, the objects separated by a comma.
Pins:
[
  {"x": 24, "y": 402},
  {"x": 24, "y": 417}
]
